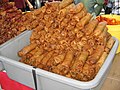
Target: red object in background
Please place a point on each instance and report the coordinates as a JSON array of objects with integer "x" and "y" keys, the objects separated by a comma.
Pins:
[
  {"x": 8, "y": 84},
  {"x": 110, "y": 21},
  {"x": 105, "y": 2}
]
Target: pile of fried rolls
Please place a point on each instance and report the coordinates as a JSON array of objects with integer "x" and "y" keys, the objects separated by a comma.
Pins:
[{"x": 68, "y": 41}]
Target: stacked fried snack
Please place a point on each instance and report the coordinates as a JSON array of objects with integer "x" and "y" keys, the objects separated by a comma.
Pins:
[
  {"x": 10, "y": 21},
  {"x": 14, "y": 21},
  {"x": 68, "y": 41}
]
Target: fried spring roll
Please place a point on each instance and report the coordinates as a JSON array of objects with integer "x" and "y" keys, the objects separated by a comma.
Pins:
[
  {"x": 55, "y": 61},
  {"x": 53, "y": 6},
  {"x": 102, "y": 38},
  {"x": 39, "y": 27},
  {"x": 62, "y": 13},
  {"x": 84, "y": 21},
  {"x": 100, "y": 61},
  {"x": 48, "y": 11},
  {"x": 58, "y": 59},
  {"x": 89, "y": 71},
  {"x": 31, "y": 53},
  {"x": 65, "y": 66},
  {"x": 65, "y": 3},
  {"x": 88, "y": 47},
  {"x": 27, "y": 49},
  {"x": 99, "y": 29},
  {"x": 91, "y": 42},
  {"x": 103, "y": 34},
  {"x": 109, "y": 45},
  {"x": 36, "y": 54},
  {"x": 33, "y": 24},
  {"x": 79, "y": 63},
  {"x": 73, "y": 22},
  {"x": 83, "y": 41},
  {"x": 45, "y": 59},
  {"x": 27, "y": 56},
  {"x": 38, "y": 59},
  {"x": 43, "y": 9},
  {"x": 79, "y": 15},
  {"x": 63, "y": 23},
  {"x": 77, "y": 8},
  {"x": 37, "y": 11},
  {"x": 89, "y": 28},
  {"x": 96, "y": 55},
  {"x": 108, "y": 36},
  {"x": 46, "y": 17}
]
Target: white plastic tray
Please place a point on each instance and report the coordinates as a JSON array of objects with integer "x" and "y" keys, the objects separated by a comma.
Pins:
[
  {"x": 8, "y": 56},
  {"x": 1, "y": 66},
  {"x": 47, "y": 80}
]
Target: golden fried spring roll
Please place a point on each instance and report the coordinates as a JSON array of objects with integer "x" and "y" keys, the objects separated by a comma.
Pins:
[
  {"x": 38, "y": 59},
  {"x": 89, "y": 71},
  {"x": 65, "y": 66},
  {"x": 99, "y": 29},
  {"x": 89, "y": 28},
  {"x": 108, "y": 36},
  {"x": 39, "y": 27},
  {"x": 70, "y": 6},
  {"x": 34, "y": 33},
  {"x": 65, "y": 3},
  {"x": 43, "y": 9},
  {"x": 50, "y": 62},
  {"x": 101, "y": 61},
  {"x": 63, "y": 12},
  {"x": 96, "y": 55},
  {"x": 102, "y": 38},
  {"x": 109, "y": 45},
  {"x": 83, "y": 41},
  {"x": 37, "y": 11},
  {"x": 52, "y": 5},
  {"x": 27, "y": 49},
  {"x": 91, "y": 42},
  {"x": 36, "y": 54},
  {"x": 84, "y": 21},
  {"x": 79, "y": 15},
  {"x": 73, "y": 22},
  {"x": 69, "y": 27},
  {"x": 79, "y": 63},
  {"x": 31, "y": 53},
  {"x": 103, "y": 34},
  {"x": 77, "y": 8},
  {"x": 74, "y": 44},
  {"x": 88, "y": 47},
  {"x": 33, "y": 25},
  {"x": 58, "y": 59},
  {"x": 46, "y": 17},
  {"x": 48, "y": 11},
  {"x": 69, "y": 16},
  {"x": 63, "y": 23},
  {"x": 26, "y": 57},
  {"x": 45, "y": 59}
]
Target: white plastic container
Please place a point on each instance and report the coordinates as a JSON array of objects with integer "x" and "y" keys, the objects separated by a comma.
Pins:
[
  {"x": 47, "y": 80},
  {"x": 1, "y": 66},
  {"x": 8, "y": 56}
]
